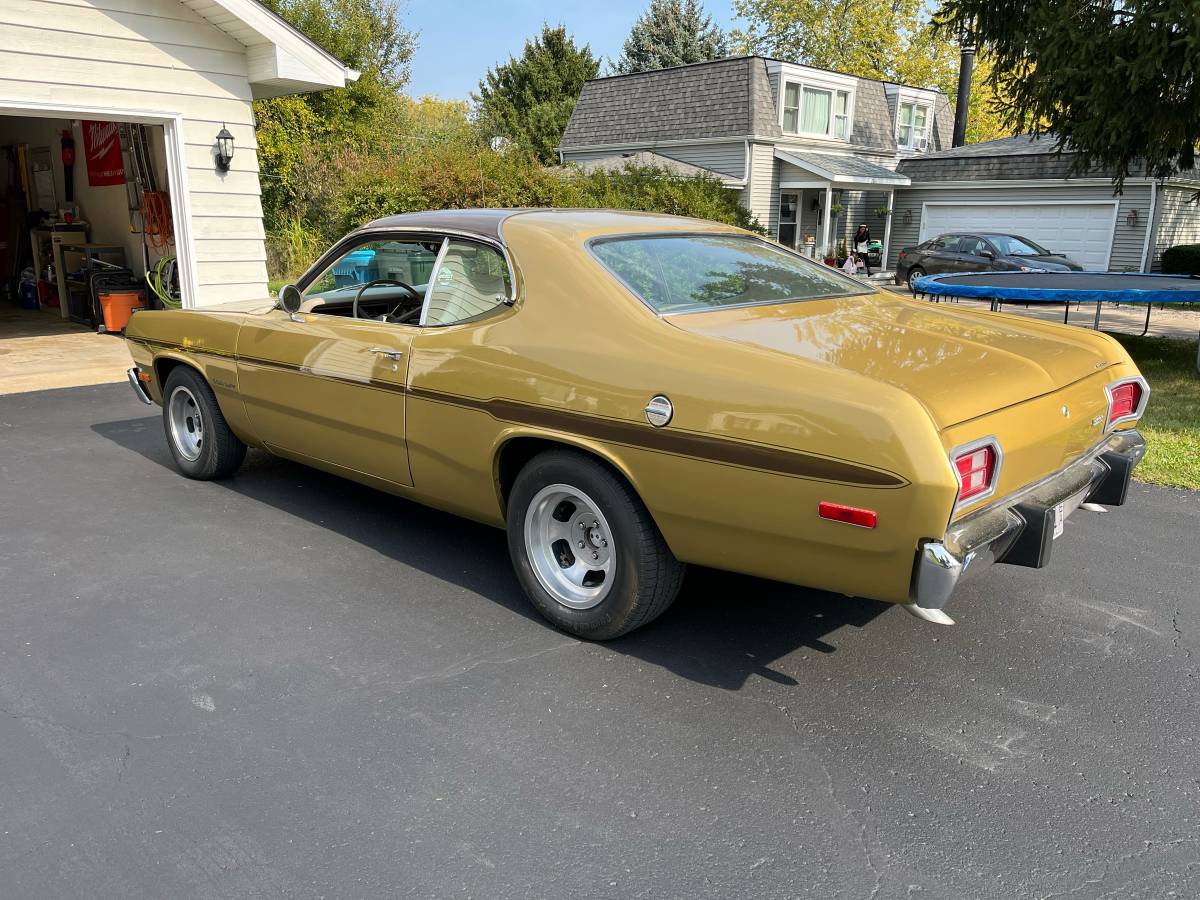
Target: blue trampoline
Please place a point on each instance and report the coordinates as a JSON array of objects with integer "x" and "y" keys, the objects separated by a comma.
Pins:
[{"x": 1064, "y": 287}]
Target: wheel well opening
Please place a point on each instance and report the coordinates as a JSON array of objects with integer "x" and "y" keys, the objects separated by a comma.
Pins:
[
  {"x": 515, "y": 454},
  {"x": 164, "y": 367}
]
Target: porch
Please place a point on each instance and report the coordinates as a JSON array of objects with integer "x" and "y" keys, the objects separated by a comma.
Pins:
[{"x": 823, "y": 198}]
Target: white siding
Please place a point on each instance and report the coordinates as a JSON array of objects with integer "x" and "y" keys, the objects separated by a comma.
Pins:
[
  {"x": 1127, "y": 240},
  {"x": 1178, "y": 220},
  {"x": 761, "y": 194},
  {"x": 160, "y": 56}
]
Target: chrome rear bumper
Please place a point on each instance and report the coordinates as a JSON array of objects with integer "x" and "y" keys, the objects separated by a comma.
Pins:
[
  {"x": 138, "y": 387},
  {"x": 1020, "y": 529}
]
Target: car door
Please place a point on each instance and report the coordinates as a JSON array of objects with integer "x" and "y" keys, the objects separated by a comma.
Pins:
[
  {"x": 328, "y": 387},
  {"x": 972, "y": 254},
  {"x": 941, "y": 255}
]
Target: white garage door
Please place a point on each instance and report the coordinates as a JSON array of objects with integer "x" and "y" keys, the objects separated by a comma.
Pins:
[{"x": 1082, "y": 231}]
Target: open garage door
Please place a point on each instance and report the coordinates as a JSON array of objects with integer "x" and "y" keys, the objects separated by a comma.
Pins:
[{"x": 1082, "y": 231}]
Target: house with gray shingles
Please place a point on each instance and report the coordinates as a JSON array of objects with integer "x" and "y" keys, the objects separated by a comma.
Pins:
[
  {"x": 796, "y": 142},
  {"x": 1021, "y": 185},
  {"x": 812, "y": 153}
]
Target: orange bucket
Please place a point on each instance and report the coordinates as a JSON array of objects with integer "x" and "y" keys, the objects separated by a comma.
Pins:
[{"x": 118, "y": 306}]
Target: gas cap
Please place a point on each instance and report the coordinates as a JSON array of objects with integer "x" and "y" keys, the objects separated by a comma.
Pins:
[{"x": 659, "y": 411}]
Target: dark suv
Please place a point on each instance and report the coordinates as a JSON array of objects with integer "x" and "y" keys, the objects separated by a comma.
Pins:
[{"x": 982, "y": 252}]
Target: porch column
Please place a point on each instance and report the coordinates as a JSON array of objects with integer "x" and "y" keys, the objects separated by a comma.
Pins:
[
  {"x": 826, "y": 224},
  {"x": 887, "y": 229}
]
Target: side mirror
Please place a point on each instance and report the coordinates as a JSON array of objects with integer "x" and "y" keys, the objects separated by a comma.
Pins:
[
  {"x": 290, "y": 299},
  {"x": 987, "y": 254}
]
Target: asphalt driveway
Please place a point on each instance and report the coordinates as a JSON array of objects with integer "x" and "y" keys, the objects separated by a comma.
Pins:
[{"x": 286, "y": 685}]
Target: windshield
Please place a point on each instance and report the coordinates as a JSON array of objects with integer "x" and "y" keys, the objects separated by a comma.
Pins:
[
  {"x": 690, "y": 272},
  {"x": 1011, "y": 245}
]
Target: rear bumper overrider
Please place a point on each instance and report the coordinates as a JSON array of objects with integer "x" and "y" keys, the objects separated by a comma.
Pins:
[{"x": 1019, "y": 530}]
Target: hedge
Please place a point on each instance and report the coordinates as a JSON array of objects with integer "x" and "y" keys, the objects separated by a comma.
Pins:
[{"x": 1182, "y": 259}]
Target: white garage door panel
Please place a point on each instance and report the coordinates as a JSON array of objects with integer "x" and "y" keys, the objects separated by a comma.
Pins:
[{"x": 1082, "y": 231}]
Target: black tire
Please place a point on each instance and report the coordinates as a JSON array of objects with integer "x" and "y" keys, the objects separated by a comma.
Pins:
[
  {"x": 646, "y": 575},
  {"x": 913, "y": 274},
  {"x": 219, "y": 452}
]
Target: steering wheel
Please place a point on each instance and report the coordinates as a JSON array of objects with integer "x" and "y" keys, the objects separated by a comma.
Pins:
[{"x": 370, "y": 284}]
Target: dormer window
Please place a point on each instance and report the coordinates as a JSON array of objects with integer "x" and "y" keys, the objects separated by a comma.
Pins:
[
  {"x": 816, "y": 111},
  {"x": 912, "y": 126}
]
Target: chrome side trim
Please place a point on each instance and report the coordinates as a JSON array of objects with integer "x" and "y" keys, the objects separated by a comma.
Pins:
[{"x": 138, "y": 388}]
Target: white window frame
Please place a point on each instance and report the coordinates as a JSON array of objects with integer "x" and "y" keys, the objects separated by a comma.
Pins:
[
  {"x": 915, "y": 141},
  {"x": 828, "y": 85}
]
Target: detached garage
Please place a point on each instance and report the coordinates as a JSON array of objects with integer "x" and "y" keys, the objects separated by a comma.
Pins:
[
  {"x": 1021, "y": 186},
  {"x": 127, "y": 148}
]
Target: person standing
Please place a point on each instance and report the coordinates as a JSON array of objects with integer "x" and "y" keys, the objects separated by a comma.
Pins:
[{"x": 862, "y": 238}]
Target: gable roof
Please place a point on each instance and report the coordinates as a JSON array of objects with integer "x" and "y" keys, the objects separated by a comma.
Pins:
[
  {"x": 723, "y": 98},
  {"x": 280, "y": 59}
]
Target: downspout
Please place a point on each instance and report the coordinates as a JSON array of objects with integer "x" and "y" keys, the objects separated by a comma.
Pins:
[
  {"x": 966, "y": 68},
  {"x": 1147, "y": 247}
]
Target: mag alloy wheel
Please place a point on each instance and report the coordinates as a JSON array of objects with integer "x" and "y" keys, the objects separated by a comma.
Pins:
[
  {"x": 186, "y": 423},
  {"x": 569, "y": 545}
]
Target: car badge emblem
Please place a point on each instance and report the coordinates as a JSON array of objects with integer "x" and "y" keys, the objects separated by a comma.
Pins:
[
  {"x": 1097, "y": 420},
  {"x": 1066, "y": 410}
]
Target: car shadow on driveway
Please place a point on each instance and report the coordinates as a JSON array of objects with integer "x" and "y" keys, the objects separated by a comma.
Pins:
[{"x": 722, "y": 629}]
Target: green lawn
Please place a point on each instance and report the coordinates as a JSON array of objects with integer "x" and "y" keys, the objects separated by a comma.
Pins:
[{"x": 1172, "y": 421}]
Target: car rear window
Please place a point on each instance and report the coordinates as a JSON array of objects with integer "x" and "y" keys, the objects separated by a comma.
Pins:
[{"x": 689, "y": 272}]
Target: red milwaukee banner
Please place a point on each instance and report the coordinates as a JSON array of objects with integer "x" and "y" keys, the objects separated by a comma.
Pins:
[{"x": 102, "y": 149}]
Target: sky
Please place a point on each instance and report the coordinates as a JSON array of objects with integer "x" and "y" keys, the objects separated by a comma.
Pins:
[{"x": 459, "y": 40}]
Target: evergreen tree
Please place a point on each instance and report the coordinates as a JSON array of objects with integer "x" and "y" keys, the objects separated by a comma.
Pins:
[
  {"x": 671, "y": 33},
  {"x": 1115, "y": 80},
  {"x": 529, "y": 99}
]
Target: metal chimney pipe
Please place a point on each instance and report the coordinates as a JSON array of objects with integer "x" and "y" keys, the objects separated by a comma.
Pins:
[{"x": 966, "y": 67}]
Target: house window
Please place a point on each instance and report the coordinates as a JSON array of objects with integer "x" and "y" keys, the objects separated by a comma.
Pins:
[
  {"x": 816, "y": 111},
  {"x": 791, "y": 107},
  {"x": 912, "y": 129}
]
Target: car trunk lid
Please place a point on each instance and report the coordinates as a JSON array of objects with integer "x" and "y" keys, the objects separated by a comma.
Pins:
[{"x": 960, "y": 363}]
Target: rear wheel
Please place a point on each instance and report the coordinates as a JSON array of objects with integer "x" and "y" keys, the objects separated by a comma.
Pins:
[
  {"x": 913, "y": 274},
  {"x": 200, "y": 441},
  {"x": 585, "y": 548}
]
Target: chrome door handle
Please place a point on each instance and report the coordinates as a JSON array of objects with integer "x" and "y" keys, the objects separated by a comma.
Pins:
[{"x": 388, "y": 352}]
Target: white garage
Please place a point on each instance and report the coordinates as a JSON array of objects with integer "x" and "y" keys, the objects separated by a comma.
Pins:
[{"x": 1082, "y": 230}]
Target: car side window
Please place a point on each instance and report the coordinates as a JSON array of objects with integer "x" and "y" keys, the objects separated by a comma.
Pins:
[
  {"x": 972, "y": 246},
  {"x": 410, "y": 262},
  {"x": 950, "y": 242},
  {"x": 469, "y": 281}
]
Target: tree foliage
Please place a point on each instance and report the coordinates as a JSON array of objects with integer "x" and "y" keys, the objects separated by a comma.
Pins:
[
  {"x": 366, "y": 35},
  {"x": 889, "y": 40},
  {"x": 529, "y": 99},
  {"x": 671, "y": 33},
  {"x": 1115, "y": 80}
]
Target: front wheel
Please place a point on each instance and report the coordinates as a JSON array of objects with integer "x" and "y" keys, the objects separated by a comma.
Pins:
[
  {"x": 201, "y": 443},
  {"x": 585, "y": 548}
]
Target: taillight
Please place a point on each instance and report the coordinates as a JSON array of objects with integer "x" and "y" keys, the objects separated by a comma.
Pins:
[
  {"x": 976, "y": 467},
  {"x": 1126, "y": 400}
]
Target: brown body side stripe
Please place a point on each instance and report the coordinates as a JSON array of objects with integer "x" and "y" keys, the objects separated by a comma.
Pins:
[{"x": 679, "y": 443}]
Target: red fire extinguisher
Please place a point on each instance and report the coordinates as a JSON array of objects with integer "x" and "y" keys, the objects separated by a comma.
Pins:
[{"x": 68, "y": 161}]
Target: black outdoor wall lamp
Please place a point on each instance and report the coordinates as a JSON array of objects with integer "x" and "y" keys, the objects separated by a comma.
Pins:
[{"x": 224, "y": 149}]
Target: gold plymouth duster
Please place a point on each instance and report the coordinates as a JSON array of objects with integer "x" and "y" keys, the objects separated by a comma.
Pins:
[{"x": 627, "y": 393}]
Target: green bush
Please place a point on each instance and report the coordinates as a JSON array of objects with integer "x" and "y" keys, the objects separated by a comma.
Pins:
[
  {"x": 451, "y": 169},
  {"x": 1182, "y": 259}
]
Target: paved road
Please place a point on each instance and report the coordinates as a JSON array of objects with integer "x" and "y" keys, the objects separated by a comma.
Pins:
[{"x": 290, "y": 686}]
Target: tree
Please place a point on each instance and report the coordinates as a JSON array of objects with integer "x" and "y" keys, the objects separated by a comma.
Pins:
[
  {"x": 530, "y": 99},
  {"x": 1114, "y": 80},
  {"x": 671, "y": 33},
  {"x": 889, "y": 40},
  {"x": 366, "y": 35}
]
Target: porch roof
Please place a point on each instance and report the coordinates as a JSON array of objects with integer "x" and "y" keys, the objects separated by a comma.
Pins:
[{"x": 841, "y": 171}]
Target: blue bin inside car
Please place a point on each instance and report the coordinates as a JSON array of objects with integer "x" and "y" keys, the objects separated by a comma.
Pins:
[{"x": 355, "y": 268}]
